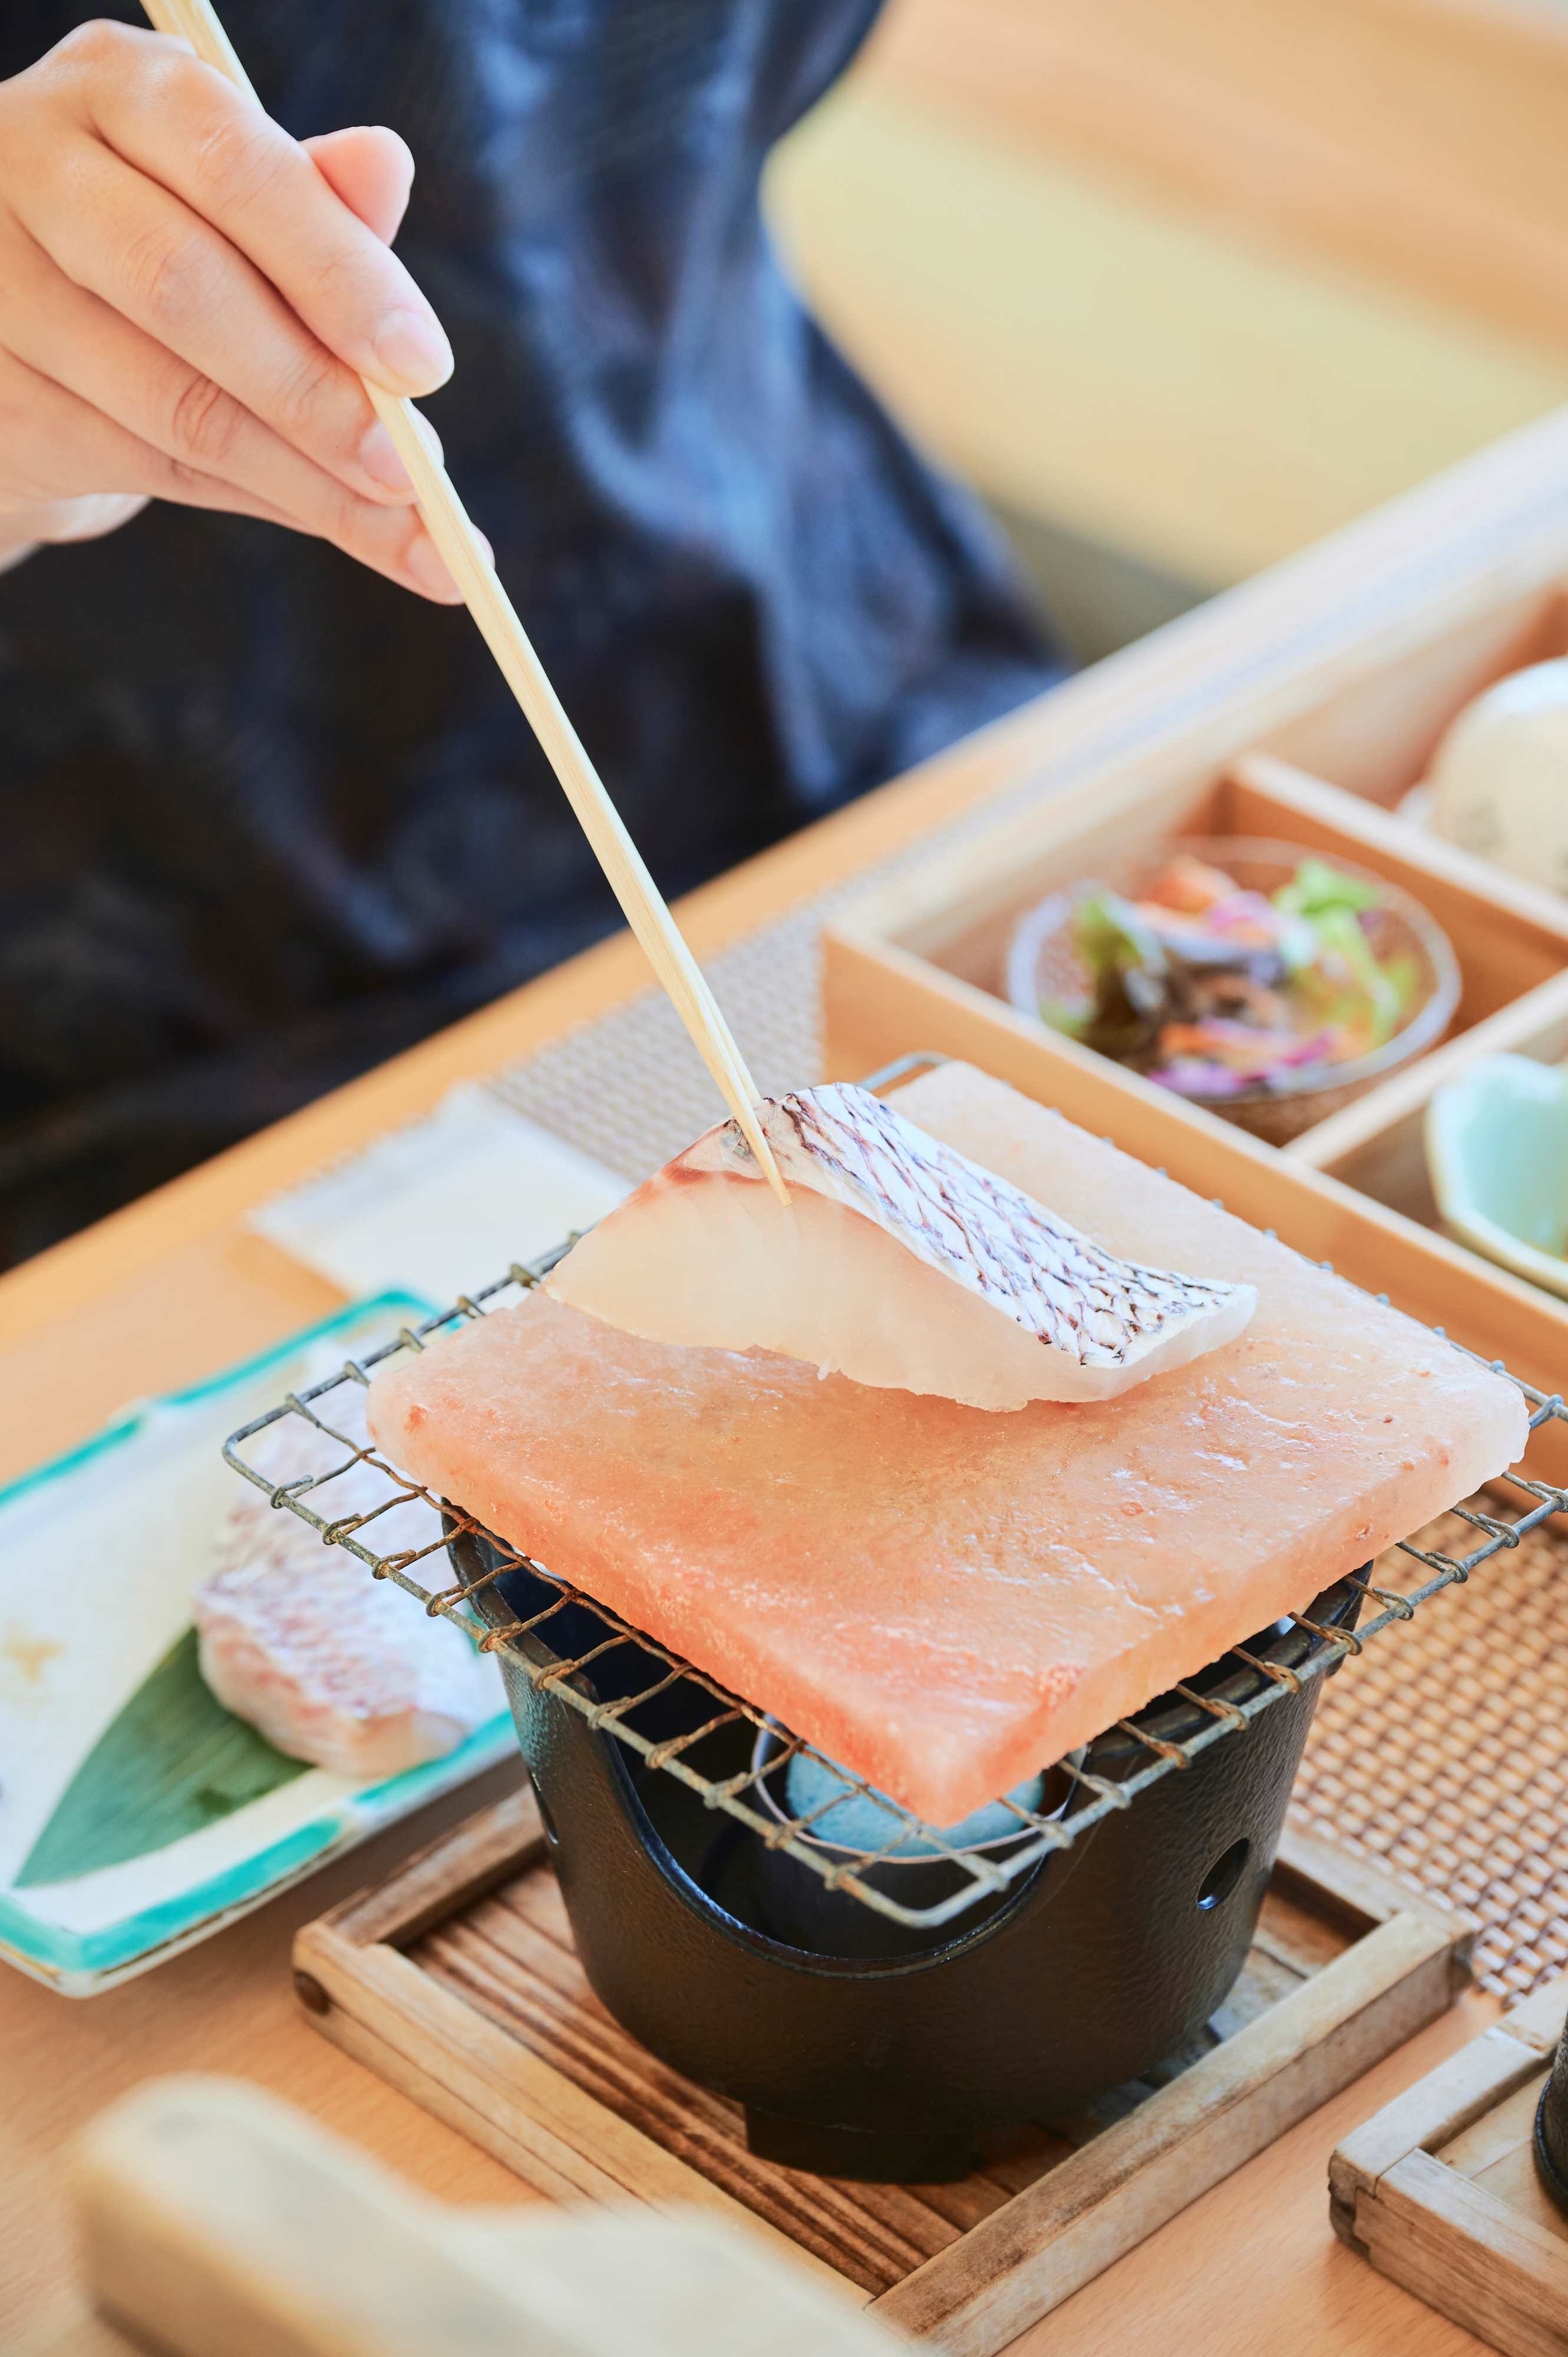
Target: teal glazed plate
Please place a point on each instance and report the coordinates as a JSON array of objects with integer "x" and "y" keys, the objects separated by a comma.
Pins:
[
  {"x": 1497, "y": 1147},
  {"x": 136, "y": 1814}
]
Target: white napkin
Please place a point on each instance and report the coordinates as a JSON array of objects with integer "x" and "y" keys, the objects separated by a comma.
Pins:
[{"x": 444, "y": 1206}]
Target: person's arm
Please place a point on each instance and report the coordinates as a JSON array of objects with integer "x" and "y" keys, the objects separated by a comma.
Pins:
[{"x": 187, "y": 300}]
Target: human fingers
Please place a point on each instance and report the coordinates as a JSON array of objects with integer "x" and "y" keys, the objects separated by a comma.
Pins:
[
  {"x": 56, "y": 446},
  {"x": 118, "y": 232},
  {"x": 371, "y": 169},
  {"x": 83, "y": 343},
  {"x": 215, "y": 148}
]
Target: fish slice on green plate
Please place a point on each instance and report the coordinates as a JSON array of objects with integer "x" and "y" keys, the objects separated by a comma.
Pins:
[{"x": 137, "y": 1816}]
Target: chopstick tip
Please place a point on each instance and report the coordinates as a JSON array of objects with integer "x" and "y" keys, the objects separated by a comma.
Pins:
[{"x": 756, "y": 1138}]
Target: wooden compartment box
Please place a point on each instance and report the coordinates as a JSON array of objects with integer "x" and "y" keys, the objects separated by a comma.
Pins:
[
  {"x": 1508, "y": 939},
  {"x": 1440, "y": 2191},
  {"x": 918, "y": 962}
]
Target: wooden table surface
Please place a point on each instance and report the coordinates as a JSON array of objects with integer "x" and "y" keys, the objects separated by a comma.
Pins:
[{"x": 175, "y": 1287}]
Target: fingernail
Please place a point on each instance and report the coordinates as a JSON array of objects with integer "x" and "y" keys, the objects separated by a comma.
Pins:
[
  {"x": 377, "y": 457},
  {"x": 411, "y": 347},
  {"x": 428, "y": 568}
]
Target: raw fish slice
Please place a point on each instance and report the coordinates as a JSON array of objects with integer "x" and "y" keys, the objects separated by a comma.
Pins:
[
  {"x": 896, "y": 1262},
  {"x": 332, "y": 1665},
  {"x": 946, "y": 1601}
]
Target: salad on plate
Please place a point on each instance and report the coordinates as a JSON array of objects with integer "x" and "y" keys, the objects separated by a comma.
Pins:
[{"x": 1215, "y": 992}]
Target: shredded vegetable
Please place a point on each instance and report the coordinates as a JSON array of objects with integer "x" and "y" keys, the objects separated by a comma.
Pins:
[{"x": 1215, "y": 992}]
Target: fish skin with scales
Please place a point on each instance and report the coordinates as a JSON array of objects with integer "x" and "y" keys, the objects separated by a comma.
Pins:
[{"x": 898, "y": 1261}]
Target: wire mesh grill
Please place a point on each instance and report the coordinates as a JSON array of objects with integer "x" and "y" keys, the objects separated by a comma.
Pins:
[{"x": 315, "y": 1437}]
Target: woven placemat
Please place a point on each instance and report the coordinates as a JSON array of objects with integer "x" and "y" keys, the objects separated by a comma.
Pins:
[
  {"x": 631, "y": 1090},
  {"x": 1445, "y": 1751}
]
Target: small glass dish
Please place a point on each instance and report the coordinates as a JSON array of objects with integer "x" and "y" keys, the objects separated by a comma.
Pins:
[{"x": 1042, "y": 964}]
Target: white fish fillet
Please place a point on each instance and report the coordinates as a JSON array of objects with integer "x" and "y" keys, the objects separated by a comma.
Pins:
[
  {"x": 897, "y": 1262},
  {"x": 331, "y": 1664}
]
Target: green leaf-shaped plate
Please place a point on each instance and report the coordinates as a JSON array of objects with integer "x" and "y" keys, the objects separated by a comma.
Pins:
[{"x": 136, "y": 1815}]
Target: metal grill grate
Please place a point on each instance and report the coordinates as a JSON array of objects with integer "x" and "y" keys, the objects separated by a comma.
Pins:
[{"x": 1163, "y": 1740}]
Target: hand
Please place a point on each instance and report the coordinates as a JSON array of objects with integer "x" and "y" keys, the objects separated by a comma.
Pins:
[{"x": 187, "y": 300}]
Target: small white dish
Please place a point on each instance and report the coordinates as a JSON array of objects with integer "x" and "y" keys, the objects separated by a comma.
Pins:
[
  {"x": 1497, "y": 1147},
  {"x": 98, "y": 1552}
]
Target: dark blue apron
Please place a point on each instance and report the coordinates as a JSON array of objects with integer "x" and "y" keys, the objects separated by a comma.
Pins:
[{"x": 265, "y": 819}]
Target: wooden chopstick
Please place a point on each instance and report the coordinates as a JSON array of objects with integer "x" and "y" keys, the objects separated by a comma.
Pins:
[{"x": 449, "y": 527}]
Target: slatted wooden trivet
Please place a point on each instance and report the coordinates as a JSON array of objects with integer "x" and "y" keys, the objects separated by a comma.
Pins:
[{"x": 456, "y": 1981}]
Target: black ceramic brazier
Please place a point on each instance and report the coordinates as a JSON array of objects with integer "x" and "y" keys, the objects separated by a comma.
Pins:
[{"x": 1103, "y": 1961}]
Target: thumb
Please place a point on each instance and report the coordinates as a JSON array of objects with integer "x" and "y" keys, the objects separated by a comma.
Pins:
[{"x": 371, "y": 169}]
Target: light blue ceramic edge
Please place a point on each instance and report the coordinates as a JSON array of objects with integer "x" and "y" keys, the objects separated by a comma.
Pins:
[
  {"x": 113, "y": 1945},
  {"x": 496, "y": 1736},
  {"x": 121, "y": 1943}
]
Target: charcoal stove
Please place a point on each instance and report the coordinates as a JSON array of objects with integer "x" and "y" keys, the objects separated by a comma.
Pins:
[
  {"x": 877, "y": 2015},
  {"x": 1094, "y": 1964}
]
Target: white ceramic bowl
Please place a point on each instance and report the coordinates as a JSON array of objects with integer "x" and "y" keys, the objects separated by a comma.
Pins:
[{"x": 1498, "y": 785}]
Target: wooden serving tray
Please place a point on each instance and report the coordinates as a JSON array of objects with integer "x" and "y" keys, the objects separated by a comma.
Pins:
[
  {"x": 1439, "y": 2189},
  {"x": 456, "y": 1981}
]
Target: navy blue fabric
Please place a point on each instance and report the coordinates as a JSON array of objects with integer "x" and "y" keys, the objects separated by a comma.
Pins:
[{"x": 265, "y": 818}]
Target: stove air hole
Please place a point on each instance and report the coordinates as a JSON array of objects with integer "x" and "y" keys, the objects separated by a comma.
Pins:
[{"x": 1223, "y": 1875}]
